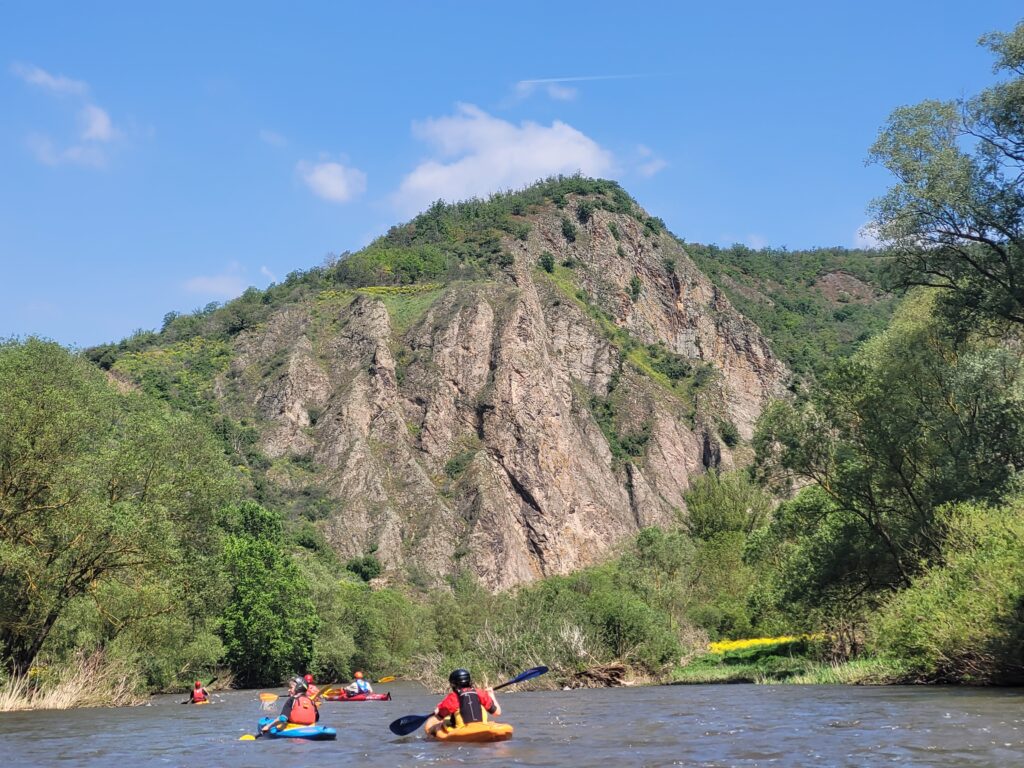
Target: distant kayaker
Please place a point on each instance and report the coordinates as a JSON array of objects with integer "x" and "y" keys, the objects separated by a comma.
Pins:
[
  {"x": 198, "y": 695},
  {"x": 312, "y": 690},
  {"x": 465, "y": 704},
  {"x": 299, "y": 709},
  {"x": 358, "y": 685}
]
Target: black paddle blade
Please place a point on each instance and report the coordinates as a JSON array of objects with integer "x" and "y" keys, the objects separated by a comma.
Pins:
[
  {"x": 527, "y": 675},
  {"x": 403, "y": 726}
]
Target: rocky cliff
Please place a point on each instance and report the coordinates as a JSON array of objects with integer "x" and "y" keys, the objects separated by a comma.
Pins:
[{"x": 520, "y": 423}]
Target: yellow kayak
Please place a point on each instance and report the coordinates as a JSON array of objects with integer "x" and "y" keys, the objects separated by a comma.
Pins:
[{"x": 475, "y": 732}]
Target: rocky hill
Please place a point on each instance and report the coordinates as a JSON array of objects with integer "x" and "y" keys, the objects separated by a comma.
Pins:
[{"x": 512, "y": 386}]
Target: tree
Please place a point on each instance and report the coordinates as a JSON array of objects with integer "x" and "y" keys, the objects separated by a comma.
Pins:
[
  {"x": 955, "y": 220},
  {"x": 270, "y": 622},
  {"x": 98, "y": 490},
  {"x": 916, "y": 419},
  {"x": 726, "y": 502}
]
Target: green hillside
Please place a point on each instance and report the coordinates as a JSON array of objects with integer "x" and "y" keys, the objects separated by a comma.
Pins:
[{"x": 814, "y": 305}]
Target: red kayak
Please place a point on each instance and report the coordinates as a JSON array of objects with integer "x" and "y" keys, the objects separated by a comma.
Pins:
[{"x": 342, "y": 696}]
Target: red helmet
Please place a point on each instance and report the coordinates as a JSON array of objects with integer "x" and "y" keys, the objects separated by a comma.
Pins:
[
  {"x": 198, "y": 684},
  {"x": 359, "y": 675},
  {"x": 308, "y": 678}
]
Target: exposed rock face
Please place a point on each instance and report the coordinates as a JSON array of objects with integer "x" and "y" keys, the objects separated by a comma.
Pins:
[{"x": 490, "y": 431}]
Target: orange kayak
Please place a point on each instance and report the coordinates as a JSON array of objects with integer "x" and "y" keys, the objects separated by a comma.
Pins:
[{"x": 476, "y": 732}]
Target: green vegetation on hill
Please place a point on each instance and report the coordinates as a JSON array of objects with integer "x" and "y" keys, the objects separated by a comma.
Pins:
[{"x": 812, "y": 305}]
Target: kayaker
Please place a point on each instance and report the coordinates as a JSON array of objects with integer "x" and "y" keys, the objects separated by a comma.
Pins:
[
  {"x": 198, "y": 694},
  {"x": 357, "y": 686},
  {"x": 299, "y": 709},
  {"x": 312, "y": 690},
  {"x": 465, "y": 704}
]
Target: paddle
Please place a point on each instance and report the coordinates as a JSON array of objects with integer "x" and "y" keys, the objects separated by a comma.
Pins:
[
  {"x": 403, "y": 726},
  {"x": 189, "y": 700},
  {"x": 270, "y": 727}
]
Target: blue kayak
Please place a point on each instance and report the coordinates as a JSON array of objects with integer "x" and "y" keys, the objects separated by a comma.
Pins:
[{"x": 292, "y": 731}]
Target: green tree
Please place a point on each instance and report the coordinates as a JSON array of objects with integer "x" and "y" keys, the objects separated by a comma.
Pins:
[
  {"x": 917, "y": 418},
  {"x": 270, "y": 622},
  {"x": 727, "y": 501},
  {"x": 101, "y": 495},
  {"x": 955, "y": 219}
]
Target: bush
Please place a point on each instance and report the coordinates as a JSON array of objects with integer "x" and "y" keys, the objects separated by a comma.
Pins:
[
  {"x": 585, "y": 210},
  {"x": 962, "y": 621},
  {"x": 366, "y": 567},
  {"x": 727, "y": 501},
  {"x": 568, "y": 230},
  {"x": 635, "y": 287},
  {"x": 614, "y": 229},
  {"x": 729, "y": 433},
  {"x": 547, "y": 261}
]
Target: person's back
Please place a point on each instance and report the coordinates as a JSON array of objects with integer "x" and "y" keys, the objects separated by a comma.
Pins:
[
  {"x": 357, "y": 686},
  {"x": 299, "y": 709},
  {"x": 465, "y": 704}
]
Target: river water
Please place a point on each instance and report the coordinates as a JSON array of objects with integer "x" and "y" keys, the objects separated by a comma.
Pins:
[{"x": 721, "y": 725}]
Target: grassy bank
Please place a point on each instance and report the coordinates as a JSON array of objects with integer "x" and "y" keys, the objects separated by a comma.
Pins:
[
  {"x": 90, "y": 681},
  {"x": 782, "y": 660}
]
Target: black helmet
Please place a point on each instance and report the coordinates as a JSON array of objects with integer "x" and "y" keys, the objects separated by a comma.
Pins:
[
  {"x": 459, "y": 678},
  {"x": 300, "y": 685}
]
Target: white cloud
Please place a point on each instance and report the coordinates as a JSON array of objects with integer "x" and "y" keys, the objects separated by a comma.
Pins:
[
  {"x": 867, "y": 237},
  {"x": 49, "y": 154},
  {"x": 96, "y": 125},
  {"x": 650, "y": 163},
  {"x": 39, "y": 77},
  {"x": 273, "y": 138},
  {"x": 553, "y": 88},
  {"x": 268, "y": 274},
  {"x": 561, "y": 92},
  {"x": 333, "y": 181},
  {"x": 228, "y": 284},
  {"x": 480, "y": 154}
]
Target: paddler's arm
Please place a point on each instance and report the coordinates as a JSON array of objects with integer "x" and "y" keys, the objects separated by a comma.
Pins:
[
  {"x": 434, "y": 722},
  {"x": 495, "y": 706}
]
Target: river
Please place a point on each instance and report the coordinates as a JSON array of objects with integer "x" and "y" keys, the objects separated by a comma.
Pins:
[{"x": 721, "y": 725}]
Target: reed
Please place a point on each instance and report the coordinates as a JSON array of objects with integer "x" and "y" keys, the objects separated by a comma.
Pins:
[{"x": 89, "y": 681}]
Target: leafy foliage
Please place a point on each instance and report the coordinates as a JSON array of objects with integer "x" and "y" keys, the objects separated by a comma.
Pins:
[
  {"x": 955, "y": 219},
  {"x": 269, "y": 623},
  {"x": 107, "y": 506},
  {"x": 962, "y": 621},
  {"x": 814, "y": 306}
]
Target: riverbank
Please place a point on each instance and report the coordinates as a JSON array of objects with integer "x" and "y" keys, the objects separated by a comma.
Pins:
[
  {"x": 782, "y": 660},
  {"x": 89, "y": 681}
]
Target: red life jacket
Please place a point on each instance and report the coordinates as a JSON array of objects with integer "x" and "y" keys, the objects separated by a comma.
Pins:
[
  {"x": 198, "y": 694},
  {"x": 303, "y": 711}
]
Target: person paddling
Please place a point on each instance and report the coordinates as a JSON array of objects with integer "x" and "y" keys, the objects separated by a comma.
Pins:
[
  {"x": 465, "y": 704},
  {"x": 312, "y": 690},
  {"x": 299, "y": 709},
  {"x": 198, "y": 694},
  {"x": 357, "y": 686}
]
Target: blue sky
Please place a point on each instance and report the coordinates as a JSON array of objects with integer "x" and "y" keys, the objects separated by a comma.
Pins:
[{"x": 156, "y": 157}]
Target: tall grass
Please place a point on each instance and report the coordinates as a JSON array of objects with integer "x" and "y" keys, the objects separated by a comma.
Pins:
[{"x": 89, "y": 681}]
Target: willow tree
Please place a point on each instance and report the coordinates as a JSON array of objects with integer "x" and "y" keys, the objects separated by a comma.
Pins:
[
  {"x": 98, "y": 488},
  {"x": 955, "y": 219}
]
